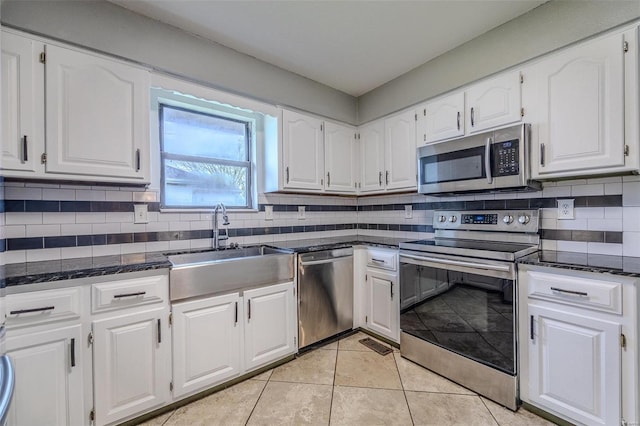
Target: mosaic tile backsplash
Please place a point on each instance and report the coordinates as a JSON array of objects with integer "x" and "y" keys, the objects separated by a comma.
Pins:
[{"x": 52, "y": 221}]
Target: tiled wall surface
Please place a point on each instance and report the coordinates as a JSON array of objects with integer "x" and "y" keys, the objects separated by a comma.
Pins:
[{"x": 51, "y": 221}]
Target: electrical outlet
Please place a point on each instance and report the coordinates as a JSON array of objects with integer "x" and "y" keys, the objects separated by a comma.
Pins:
[
  {"x": 565, "y": 209},
  {"x": 140, "y": 213},
  {"x": 268, "y": 212},
  {"x": 408, "y": 211},
  {"x": 301, "y": 213}
]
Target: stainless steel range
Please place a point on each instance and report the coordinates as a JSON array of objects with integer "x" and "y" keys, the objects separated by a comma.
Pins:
[{"x": 458, "y": 298}]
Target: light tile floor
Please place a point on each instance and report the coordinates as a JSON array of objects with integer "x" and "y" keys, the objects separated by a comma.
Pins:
[{"x": 345, "y": 383}]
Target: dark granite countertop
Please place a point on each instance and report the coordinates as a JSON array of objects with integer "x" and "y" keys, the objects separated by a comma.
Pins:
[
  {"x": 617, "y": 265},
  {"x": 66, "y": 269}
]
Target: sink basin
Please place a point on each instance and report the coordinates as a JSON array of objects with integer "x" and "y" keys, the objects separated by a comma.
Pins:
[{"x": 224, "y": 271}]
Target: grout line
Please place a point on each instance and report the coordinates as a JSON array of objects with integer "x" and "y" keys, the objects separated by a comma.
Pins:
[
  {"x": 404, "y": 392},
  {"x": 335, "y": 371},
  {"x": 172, "y": 414},
  {"x": 258, "y": 400},
  {"x": 490, "y": 413}
]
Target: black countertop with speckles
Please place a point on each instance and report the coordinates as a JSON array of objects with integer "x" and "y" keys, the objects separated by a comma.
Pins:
[{"x": 617, "y": 265}]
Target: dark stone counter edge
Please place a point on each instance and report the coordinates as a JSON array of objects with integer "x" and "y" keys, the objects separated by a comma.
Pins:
[{"x": 602, "y": 264}]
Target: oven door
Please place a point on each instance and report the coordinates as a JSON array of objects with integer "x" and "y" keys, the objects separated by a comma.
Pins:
[{"x": 464, "y": 305}]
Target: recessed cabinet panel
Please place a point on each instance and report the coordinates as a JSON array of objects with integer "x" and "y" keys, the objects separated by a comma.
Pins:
[
  {"x": 372, "y": 156},
  {"x": 340, "y": 158},
  {"x": 303, "y": 151},
  {"x": 441, "y": 119},
  {"x": 381, "y": 306},
  {"x": 493, "y": 102},
  {"x": 22, "y": 103},
  {"x": 400, "y": 151},
  {"x": 97, "y": 115},
  {"x": 581, "y": 108}
]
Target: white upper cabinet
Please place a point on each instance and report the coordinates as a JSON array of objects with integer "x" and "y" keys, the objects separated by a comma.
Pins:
[
  {"x": 400, "y": 151},
  {"x": 97, "y": 115},
  {"x": 22, "y": 102},
  {"x": 580, "y": 111},
  {"x": 340, "y": 158},
  {"x": 372, "y": 156},
  {"x": 441, "y": 119},
  {"x": 303, "y": 151},
  {"x": 494, "y": 102}
]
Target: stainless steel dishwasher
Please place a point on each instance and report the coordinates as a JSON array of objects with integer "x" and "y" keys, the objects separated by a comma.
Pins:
[{"x": 325, "y": 294}]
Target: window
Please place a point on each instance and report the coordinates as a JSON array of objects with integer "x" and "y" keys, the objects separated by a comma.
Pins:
[{"x": 205, "y": 159}]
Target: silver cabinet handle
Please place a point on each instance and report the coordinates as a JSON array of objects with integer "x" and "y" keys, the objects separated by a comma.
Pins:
[
  {"x": 377, "y": 260},
  {"x": 159, "y": 331},
  {"x": 391, "y": 290},
  {"x": 458, "y": 120},
  {"x": 72, "y": 350},
  {"x": 287, "y": 172},
  {"x": 236, "y": 320},
  {"x": 380, "y": 178},
  {"x": 387, "y": 177},
  {"x": 542, "y": 154},
  {"x": 487, "y": 160},
  {"x": 531, "y": 327},
  {"x": 573, "y": 292},
  {"x": 328, "y": 179},
  {"x": 138, "y": 293},
  {"x": 25, "y": 149},
  {"x": 249, "y": 308},
  {"x": 472, "y": 117},
  {"x": 28, "y": 311},
  {"x": 138, "y": 160}
]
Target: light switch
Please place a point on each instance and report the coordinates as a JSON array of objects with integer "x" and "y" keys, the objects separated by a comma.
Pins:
[
  {"x": 301, "y": 212},
  {"x": 408, "y": 211},
  {"x": 140, "y": 213},
  {"x": 268, "y": 212}
]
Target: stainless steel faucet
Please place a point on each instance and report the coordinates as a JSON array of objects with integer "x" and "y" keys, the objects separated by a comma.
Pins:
[{"x": 225, "y": 221}]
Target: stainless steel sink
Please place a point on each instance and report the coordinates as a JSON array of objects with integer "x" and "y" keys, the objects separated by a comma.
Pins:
[{"x": 219, "y": 271}]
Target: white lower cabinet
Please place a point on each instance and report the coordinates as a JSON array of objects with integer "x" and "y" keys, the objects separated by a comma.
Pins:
[
  {"x": 131, "y": 363},
  {"x": 207, "y": 342},
  {"x": 49, "y": 377},
  {"x": 270, "y": 324}
]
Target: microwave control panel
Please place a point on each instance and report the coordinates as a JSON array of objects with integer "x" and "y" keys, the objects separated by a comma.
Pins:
[{"x": 506, "y": 158}]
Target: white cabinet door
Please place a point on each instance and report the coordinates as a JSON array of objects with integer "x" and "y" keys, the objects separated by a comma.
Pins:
[
  {"x": 22, "y": 103},
  {"x": 340, "y": 158},
  {"x": 131, "y": 362},
  {"x": 382, "y": 306},
  {"x": 97, "y": 116},
  {"x": 400, "y": 151},
  {"x": 581, "y": 109},
  {"x": 494, "y": 102},
  {"x": 207, "y": 343},
  {"x": 48, "y": 371},
  {"x": 372, "y": 157},
  {"x": 441, "y": 119},
  {"x": 574, "y": 366},
  {"x": 270, "y": 324},
  {"x": 303, "y": 151}
]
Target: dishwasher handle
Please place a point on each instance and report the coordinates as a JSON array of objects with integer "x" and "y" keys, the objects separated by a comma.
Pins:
[{"x": 324, "y": 261}]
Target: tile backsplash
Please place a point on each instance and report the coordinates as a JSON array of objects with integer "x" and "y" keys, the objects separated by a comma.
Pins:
[{"x": 53, "y": 221}]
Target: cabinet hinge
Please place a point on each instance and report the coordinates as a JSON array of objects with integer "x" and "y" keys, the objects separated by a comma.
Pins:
[
  {"x": 521, "y": 78},
  {"x": 366, "y": 277},
  {"x": 623, "y": 341},
  {"x": 355, "y": 136},
  {"x": 626, "y": 150},
  {"x": 416, "y": 116},
  {"x": 322, "y": 127},
  {"x": 43, "y": 158},
  {"x": 170, "y": 318},
  {"x": 295, "y": 341},
  {"x": 625, "y": 46},
  {"x": 294, "y": 289},
  {"x": 521, "y": 112},
  {"x": 366, "y": 319},
  {"x": 171, "y": 386},
  {"x": 90, "y": 338},
  {"x": 92, "y": 415},
  {"x": 43, "y": 57},
  {"x": 358, "y": 136}
]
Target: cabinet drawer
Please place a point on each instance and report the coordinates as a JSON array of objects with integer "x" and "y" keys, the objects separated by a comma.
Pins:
[
  {"x": 129, "y": 292},
  {"x": 382, "y": 259},
  {"x": 44, "y": 306},
  {"x": 593, "y": 294}
]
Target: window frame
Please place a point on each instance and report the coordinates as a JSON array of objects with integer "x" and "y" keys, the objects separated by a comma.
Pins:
[{"x": 248, "y": 164}]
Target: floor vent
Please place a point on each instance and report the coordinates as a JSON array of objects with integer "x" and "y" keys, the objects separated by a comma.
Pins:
[{"x": 378, "y": 347}]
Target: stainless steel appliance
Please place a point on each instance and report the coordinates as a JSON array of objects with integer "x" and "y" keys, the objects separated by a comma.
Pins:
[
  {"x": 325, "y": 294},
  {"x": 458, "y": 298},
  {"x": 496, "y": 160}
]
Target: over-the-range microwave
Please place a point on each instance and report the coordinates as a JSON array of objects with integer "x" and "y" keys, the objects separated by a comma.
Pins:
[{"x": 491, "y": 161}]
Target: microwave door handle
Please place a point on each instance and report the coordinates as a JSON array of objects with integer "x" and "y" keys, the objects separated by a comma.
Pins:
[{"x": 487, "y": 160}]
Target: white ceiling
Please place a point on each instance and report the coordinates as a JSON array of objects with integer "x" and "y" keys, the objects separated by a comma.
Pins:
[{"x": 350, "y": 45}]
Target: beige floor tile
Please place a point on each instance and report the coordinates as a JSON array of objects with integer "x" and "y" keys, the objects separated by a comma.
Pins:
[
  {"x": 293, "y": 404},
  {"x": 157, "y": 421},
  {"x": 352, "y": 343},
  {"x": 367, "y": 370},
  {"x": 264, "y": 376},
  {"x": 522, "y": 417},
  {"x": 231, "y": 406},
  {"x": 416, "y": 378},
  {"x": 365, "y": 406},
  {"x": 448, "y": 410},
  {"x": 316, "y": 367}
]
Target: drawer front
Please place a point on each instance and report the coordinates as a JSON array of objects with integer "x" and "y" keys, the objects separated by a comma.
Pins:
[
  {"x": 382, "y": 259},
  {"x": 128, "y": 292},
  {"x": 44, "y": 306},
  {"x": 593, "y": 294}
]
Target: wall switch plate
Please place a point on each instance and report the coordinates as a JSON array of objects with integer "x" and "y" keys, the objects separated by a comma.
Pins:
[
  {"x": 140, "y": 213},
  {"x": 408, "y": 211},
  {"x": 301, "y": 213},
  {"x": 268, "y": 212},
  {"x": 565, "y": 209}
]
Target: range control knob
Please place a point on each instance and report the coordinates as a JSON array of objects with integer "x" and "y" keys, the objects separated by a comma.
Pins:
[
  {"x": 453, "y": 219},
  {"x": 442, "y": 219},
  {"x": 523, "y": 219},
  {"x": 507, "y": 219}
]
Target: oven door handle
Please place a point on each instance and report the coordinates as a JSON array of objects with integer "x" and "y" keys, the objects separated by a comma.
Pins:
[
  {"x": 487, "y": 160},
  {"x": 488, "y": 267}
]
